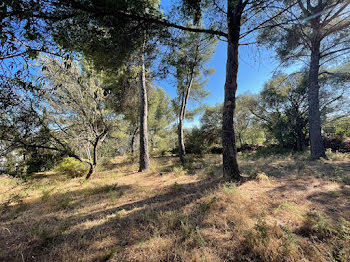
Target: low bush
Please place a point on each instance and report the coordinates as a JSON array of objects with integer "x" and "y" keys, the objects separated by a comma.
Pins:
[
  {"x": 246, "y": 147},
  {"x": 216, "y": 150},
  {"x": 72, "y": 167},
  {"x": 337, "y": 143}
]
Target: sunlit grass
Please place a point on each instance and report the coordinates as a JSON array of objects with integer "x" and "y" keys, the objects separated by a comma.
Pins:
[{"x": 169, "y": 213}]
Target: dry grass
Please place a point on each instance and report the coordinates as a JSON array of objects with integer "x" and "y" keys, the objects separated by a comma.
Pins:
[{"x": 289, "y": 209}]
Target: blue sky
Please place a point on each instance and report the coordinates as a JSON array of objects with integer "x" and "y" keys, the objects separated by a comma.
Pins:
[{"x": 255, "y": 68}]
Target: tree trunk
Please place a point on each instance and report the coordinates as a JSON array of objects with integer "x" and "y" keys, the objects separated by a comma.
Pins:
[
  {"x": 98, "y": 140},
  {"x": 316, "y": 143},
  {"x": 133, "y": 140},
  {"x": 144, "y": 163},
  {"x": 240, "y": 139},
  {"x": 230, "y": 164},
  {"x": 91, "y": 170},
  {"x": 180, "y": 132},
  {"x": 299, "y": 133}
]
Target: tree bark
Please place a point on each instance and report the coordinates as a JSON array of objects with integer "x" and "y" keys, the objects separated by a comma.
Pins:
[
  {"x": 180, "y": 132},
  {"x": 316, "y": 142},
  {"x": 299, "y": 126},
  {"x": 133, "y": 140},
  {"x": 91, "y": 170},
  {"x": 144, "y": 163},
  {"x": 98, "y": 139},
  {"x": 240, "y": 139},
  {"x": 230, "y": 164}
]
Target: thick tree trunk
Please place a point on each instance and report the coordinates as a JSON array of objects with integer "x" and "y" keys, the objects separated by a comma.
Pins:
[
  {"x": 144, "y": 163},
  {"x": 230, "y": 164},
  {"x": 180, "y": 132},
  {"x": 132, "y": 142},
  {"x": 316, "y": 143}
]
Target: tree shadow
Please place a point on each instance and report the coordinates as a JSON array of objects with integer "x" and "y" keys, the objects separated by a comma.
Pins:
[
  {"x": 121, "y": 231},
  {"x": 334, "y": 203}
]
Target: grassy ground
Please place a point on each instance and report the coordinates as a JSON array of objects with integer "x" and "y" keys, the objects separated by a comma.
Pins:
[{"x": 287, "y": 209}]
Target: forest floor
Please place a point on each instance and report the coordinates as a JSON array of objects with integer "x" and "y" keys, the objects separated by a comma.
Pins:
[{"x": 288, "y": 208}]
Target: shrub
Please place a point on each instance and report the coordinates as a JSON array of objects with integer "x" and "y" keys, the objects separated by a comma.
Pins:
[
  {"x": 178, "y": 171},
  {"x": 246, "y": 147},
  {"x": 72, "y": 167},
  {"x": 194, "y": 142},
  {"x": 345, "y": 147},
  {"x": 337, "y": 143},
  {"x": 216, "y": 150},
  {"x": 15, "y": 166},
  {"x": 261, "y": 177},
  {"x": 317, "y": 225},
  {"x": 176, "y": 187},
  {"x": 41, "y": 160},
  {"x": 64, "y": 202}
]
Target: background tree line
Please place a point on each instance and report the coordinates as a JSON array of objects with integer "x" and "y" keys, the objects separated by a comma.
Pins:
[{"x": 121, "y": 41}]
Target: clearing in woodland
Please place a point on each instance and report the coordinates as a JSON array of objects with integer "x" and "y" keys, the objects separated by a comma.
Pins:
[{"x": 288, "y": 208}]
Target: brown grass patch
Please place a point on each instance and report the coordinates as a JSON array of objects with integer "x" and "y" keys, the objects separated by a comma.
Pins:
[{"x": 123, "y": 215}]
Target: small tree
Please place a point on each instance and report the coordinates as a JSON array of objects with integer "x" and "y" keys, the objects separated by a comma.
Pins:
[
  {"x": 160, "y": 117},
  {"x": 211, "y": 125},
  {"x": 282, "y": 107},
  {"x": 76, "y": 108},
  {"x": 192, "y": 53},
  {"x": 243, "y": 117}
]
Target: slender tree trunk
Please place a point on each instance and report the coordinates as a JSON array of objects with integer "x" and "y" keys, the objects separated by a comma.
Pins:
[
  {"x": 180, "y": 132},
  {"x": 144, "y": 163},
  {"x": 94, "y": 159},
  {"x": 240, "y": 139},
  {"x": 99, "y": 139},
  {"x": 316, "y": 143},
  {"x": 230, "y": 164},
  {"x": 91, "y": 170},
  {"x": 300, "y": 134}
]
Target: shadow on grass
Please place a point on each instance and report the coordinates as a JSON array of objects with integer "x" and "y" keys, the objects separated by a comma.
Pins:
[
  {"x": 333, "y": 202},
  {"x": 121, "y": 231}
]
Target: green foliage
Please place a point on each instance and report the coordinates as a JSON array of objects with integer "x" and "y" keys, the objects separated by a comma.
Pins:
[
  {"x": 194, "y": 141},
  {"x": 72, "y": 167},
  {"x": 281, "y": 108},
  {"x": 292, "y": 41},
  {"x": 110, "y": 41},
  {"x": 75, "y": 108},
  {"x": 318, "y": 225},
  {"x": 211, "y": 170},
  {"x": 111, "y": 253},
  {"x": 39, "y": 160},
  {"x": 261, "y": 177},
  {"x": 262, "y": 229},
  {"x": 205, "y": 206},
  {"x": 178, "y": 171},
  {"x": 211, "y": 125},
  {"x": 176, "y": 187},
  {"x": 15, "y": 164},
  {"x": 341, "y": 127},
  {"x": 64, "y": 202},
  {"x": 160, "y": 116}
]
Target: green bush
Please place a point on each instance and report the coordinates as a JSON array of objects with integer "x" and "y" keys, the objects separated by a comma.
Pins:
[{"x": 72, "y": 167}]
